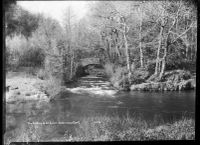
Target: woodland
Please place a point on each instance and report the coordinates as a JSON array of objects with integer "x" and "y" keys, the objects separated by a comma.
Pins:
[{"x": 136, "y": 42}]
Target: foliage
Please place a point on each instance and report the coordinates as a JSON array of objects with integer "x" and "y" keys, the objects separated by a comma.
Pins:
[
  {"x": 32, "y": 57},
  {"x": 42, "y": 74},
  {"x": 21, "y": 53},
  {"x": 109, "y": 69},
  {"x": 119, "y": 78},
  {"x": 139, "y": 76},
  {"x": 15, "y": 47},
  {"x": 20, "y": 21},
  {"x": 151, "y": 67},
  {"x": 114, "y": 128},
  {"x": 8, "y": 4},
  {"x": 176, "y": 76}
]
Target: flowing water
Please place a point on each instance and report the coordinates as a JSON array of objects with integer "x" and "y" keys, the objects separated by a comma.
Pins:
[{"x": 94, "y": 96}]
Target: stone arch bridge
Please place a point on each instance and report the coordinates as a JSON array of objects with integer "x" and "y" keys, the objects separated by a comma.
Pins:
[
  {"x": 91, "y": 65},
  {"x": 90, "y": 61}
]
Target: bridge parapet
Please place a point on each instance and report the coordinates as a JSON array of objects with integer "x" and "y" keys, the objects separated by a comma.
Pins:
[{"x": 89, "y": 61}]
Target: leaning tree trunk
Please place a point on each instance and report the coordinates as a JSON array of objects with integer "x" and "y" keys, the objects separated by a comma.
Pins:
[
  {"x": 163, "y": 63},
  {"x": 158, "y": 53},
  {"x": 167, "y": 43}
]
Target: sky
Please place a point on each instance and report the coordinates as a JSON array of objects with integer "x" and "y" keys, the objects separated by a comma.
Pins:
[{"x": 55, "y": 9}]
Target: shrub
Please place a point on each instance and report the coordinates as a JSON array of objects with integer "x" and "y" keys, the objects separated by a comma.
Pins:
[
  {"x": 53, "y": 68},
  {"x": 176, "y": 76},
  {"x": 42, "y": 74},
  {"x": 109, "y": 69},
  {"x": 139, "y": 76},
  {"x": 120, "y": 78},
  {"x": 52, "y": 86},
  {"x": 32, "y": 56},
  {"x": 21, "y": 52},
  {"x": 14, "y": 49},
  {"x": 151, "y": 67}
]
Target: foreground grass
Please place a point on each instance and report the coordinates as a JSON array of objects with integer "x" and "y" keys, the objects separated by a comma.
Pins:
[
  {"x": 114, "y": 129},
  {"x": 106, "y": 128}
]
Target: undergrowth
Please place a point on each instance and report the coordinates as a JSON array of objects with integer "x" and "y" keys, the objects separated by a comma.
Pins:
[{"x": 111, "y": 128}]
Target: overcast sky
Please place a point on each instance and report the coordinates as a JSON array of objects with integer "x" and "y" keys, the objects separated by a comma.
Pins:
[{"x": 55, "y": 9}]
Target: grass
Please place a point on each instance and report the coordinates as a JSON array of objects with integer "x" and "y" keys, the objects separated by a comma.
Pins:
[
  {"x": 107, "y": 128},
  {"x": 116, "y": 129}
]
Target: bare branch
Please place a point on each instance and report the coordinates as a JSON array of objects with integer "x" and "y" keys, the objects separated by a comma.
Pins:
[{"x": 183, "y": 33}]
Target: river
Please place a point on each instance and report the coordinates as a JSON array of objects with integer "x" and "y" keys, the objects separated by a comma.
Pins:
[{"x": 94, "y": 96}]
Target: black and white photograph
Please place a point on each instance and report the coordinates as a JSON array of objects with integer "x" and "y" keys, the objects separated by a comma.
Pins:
[{"x": 91, "y": 71}]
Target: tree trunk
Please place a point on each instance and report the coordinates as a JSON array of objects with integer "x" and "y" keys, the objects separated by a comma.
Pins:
[
  {"x": 63, "y": 67},
  {"x": 158, "y": 52},
  {"x": 71, "y": 66},
  {"x": 163, "y": 63},
  {"x": 127, "y": 56},
  {"x": 164, "y": 57},
  {"x": 140, "y": 45},
  {"x": 186, "y": 52},
  {"x": 159, "y": 65},
  {"x": 117, "y": 49},
  {"x": 108, "y": 50}
]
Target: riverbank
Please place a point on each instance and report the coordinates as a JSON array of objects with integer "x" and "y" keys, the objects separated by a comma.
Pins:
[
  {"x": 176, "y": 80},
  {"x": 107, "y": 128},
  {"x": 24, "y": 87}
]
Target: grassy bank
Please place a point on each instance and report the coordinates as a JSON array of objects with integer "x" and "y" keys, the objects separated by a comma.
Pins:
[{"x": 105, "y": 128}]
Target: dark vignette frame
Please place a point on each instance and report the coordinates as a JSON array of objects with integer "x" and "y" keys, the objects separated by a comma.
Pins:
[{"x": 5, "y": 5}]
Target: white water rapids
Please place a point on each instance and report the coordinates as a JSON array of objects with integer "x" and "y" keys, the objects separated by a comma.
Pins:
[{"x": 94, "y": 85}]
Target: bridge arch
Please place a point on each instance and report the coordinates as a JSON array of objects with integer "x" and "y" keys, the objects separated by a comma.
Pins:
[{"x": 90, "y": 64}]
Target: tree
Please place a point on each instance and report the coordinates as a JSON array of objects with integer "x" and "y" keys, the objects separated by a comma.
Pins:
[
  {"x": 69, "y": 23},
  {"x": 50, "y": 38},
  {"x": 171, "y": 16},
  {"x": 20, "y": 21}
]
